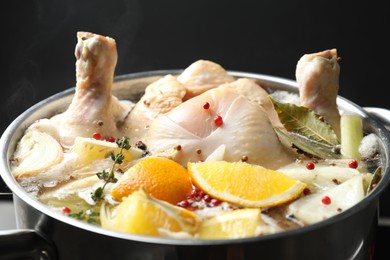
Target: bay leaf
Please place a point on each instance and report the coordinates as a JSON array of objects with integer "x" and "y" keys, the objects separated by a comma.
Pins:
[
  {"x": 319, "y": 150},
  {"x": 307, "y": 130},
  {"x": 375, "y": 179}
]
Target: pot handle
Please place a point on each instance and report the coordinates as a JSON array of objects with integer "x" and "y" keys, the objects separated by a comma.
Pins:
[
  {"x": 382, "y": 114},
  {"x": 25, "y": 244}
]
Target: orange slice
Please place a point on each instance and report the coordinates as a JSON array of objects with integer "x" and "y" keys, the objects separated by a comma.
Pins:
[
  {"x": 163, "y": 178},
  {"x": 245, "y": 184},
  {"x": 238, "y": 223}
]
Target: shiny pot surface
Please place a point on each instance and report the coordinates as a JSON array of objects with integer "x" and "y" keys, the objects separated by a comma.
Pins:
[{"x": 45, "y": 234}]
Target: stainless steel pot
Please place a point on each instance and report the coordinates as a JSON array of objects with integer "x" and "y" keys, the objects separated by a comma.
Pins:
[{"x": 45, "y": 234}]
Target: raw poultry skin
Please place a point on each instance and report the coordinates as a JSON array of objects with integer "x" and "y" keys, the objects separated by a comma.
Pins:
[
  {"x": 201, "y": 76},
  {"x": 317, "y": 75},
  {"x": 169, "y": 91},
  {"x": 246, "y": 131},
  {"x": 93, "y": 108},
  {"x": 255, "y": 93},
  {"x": 160, "y": 97}
]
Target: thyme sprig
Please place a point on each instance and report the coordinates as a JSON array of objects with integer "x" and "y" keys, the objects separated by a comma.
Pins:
[
  {"x": 109, "y": 177},
  {"x": 89, "y": 216}
]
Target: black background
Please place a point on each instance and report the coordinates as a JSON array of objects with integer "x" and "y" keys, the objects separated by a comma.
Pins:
[
  {"x": 38, "y": 38},
  {"x": 266, "y": 37}
]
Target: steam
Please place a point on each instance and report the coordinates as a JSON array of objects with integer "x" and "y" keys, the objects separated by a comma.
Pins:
[{"x": 40, "y": 61}]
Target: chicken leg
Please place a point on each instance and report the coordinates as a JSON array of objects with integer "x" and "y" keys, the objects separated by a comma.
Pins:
[
  {"x": 317, "y": 76},
  {"x": 93, "y": 108}
]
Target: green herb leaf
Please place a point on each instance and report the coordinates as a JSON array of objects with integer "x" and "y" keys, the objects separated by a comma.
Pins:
[
  {"x": 109, "y": 177},
  {"x": 317, "y": 149},
  {"x": 102, "y": 175},
  {"x": 89, "y": 216},
  {"x": 124, "y": 143},
  {"x": 307, "y": 130},
  {"x": 97, "y": 194},
  {"x": 118, "y": 158}
]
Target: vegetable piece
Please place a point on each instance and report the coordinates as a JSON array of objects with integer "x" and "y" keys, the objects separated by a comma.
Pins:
[
  {"x": 314, "y": 208},
  {"x": 325, "y": 175},
  {"x": 351, "y": 136},
  {"x": 75, "y": 196},
  {"x": 76, "y": 207},
  {"x": 36, "y": 152}
]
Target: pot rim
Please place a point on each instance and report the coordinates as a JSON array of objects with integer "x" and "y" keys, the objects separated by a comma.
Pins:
[{"x": 288, "y": 84}]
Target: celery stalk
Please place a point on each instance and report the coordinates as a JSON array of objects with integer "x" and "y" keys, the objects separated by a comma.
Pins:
[{"x": 351, "y": 136}]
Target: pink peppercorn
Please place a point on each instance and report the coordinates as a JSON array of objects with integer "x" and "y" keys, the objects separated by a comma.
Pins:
[
  {"x": 65, "y": 210},
  {"x": 310, "y": 166},
  {"x": 353, "y": 164},
  {"x": 218, "y": 120},
  {"x": 326, "y": 200},
  {"x": 97, "y": 136}
]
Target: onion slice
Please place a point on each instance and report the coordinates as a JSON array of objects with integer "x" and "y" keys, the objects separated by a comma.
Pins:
[{"x": 36, "y": 152}]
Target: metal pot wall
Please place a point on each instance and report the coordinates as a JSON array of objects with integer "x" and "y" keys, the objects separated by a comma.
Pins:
[{"x": 45, "y": 234}]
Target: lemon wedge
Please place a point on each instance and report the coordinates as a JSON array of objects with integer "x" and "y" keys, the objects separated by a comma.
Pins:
[
  {"x": 142, "y": 214},
  {"x": 90, "y": 149},
  {"x": 238, "y": 223}
]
